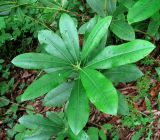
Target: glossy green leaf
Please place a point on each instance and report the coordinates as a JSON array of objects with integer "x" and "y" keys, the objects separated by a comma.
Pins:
[
  {"x": 125, "y": 73},
  {"x": 38, "y": 121},
  {"x": 93, "y": 133},
  {"x": 123, "y": 30},
  {"x": 59, "y": 95},
  {"x": 97, "y": 6},
  {"x": 100, "y": 91},
  {"x": 70, "y": 35},
  {"x": 142, "y": 10},
  {"x": 78, "y": 108},
  {"x": 37, "y": 61},
  {"x": 54, "y": 45},
  {"x": 45, "y": 84},
  {"x": 96, "y": 35},
  {"x": 123, "y": 108},
  {"x": 117, "y": 55}
]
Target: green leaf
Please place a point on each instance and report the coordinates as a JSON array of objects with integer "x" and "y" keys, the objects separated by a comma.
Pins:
[
  {"x": 45, "y": 84},
  {"x": 4, "y": 101},
  {"x": 70, "y": 35},
  {"x": 38, "y": 121},
  {"x": 117, "y": 55},
  {"x": 123, "y": 30},
  {"x": 5, "y": 7},
  {"x": 111, "y": 6},
  {"x": 142, "y": 10},
  {"x": 59, "y": 95},
  {"x": 19, "y": 128},
  {"x": 138, "y": 134},
  {"x": 93, "y": 133},
  {"x": 97, "y": 6},
  {"x": 54, "y": 45},
  {"x": 123, "y": 108},
  {"x": 154, "y": 24},
  {"x": 26, "y": 1},
  {"x": 148, "y": 104},
  {"x": 96, "y": 35},
  {"x": 125, "y": 73},
  {"x": 78, "y": 108},
  {"x": 102, "y": 135},
  {"x": 40, "y": 135},
  {"x": 87, "y": 27},
  {"x": 127, "y": 3},
  {"x": 100, "y": 91},
  {"x": 37, "y": 61},
  {"x": 2, "y": 23},
  {"x": 159, "y": 101},
  {"x": 81, "y": 136},
  {"x": 158, "y": 71},
  {"x": 56, "y": 118}
]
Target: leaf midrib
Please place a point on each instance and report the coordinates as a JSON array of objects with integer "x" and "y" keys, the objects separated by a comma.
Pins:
[{"x": 90, "y": 64}]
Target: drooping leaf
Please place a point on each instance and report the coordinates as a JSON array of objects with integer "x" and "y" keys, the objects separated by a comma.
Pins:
[
  {"x": 100, "y": 91},
  {"x": 59, "y": 95},
  {"x": 54, "y": 45},
  {"x": 37, "y": 61},
  {"x": 95, "y": 36},
  {"x": 78, "y": 108},
  {"x": 38, "y": 121},
  {"x": 123, "y": 108},
  {"x": 142, "y": 10},
  {"x": 97, "y": 6},
  {"x": 123, "y": 30},
  {"x": 70, "y": 35},
  {"x": 126, "y": 73},
  {"x": 45, "y": 84},
  {"x": 117, "y": 55}
]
